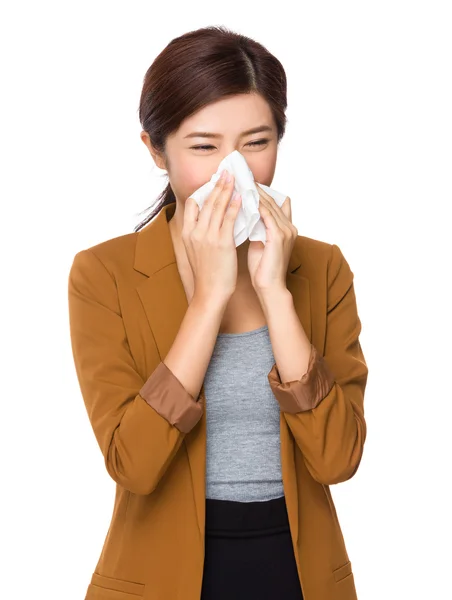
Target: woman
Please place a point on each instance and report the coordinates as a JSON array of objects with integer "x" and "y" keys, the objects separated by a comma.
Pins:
[{"x": 224, "y": 385}]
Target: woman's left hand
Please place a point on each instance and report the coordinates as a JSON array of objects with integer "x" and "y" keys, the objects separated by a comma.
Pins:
[{"x": 267, "y": 264}]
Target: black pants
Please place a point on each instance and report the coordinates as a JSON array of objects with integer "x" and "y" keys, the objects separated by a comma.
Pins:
[{"x": 249, "y": 552}]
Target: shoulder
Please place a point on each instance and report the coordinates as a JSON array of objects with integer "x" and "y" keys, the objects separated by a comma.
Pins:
[
  {"x": 317, "y": 254},
  {"x": 113, "y": 254}
]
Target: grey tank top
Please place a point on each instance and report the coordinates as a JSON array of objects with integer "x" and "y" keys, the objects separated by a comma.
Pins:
[{"x": 243, "y": 458}]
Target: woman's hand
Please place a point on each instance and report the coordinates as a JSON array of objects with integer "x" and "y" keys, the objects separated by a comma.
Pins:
[
  {"x": 208, "y": 236},
  {"x": 267, "y": 264}
]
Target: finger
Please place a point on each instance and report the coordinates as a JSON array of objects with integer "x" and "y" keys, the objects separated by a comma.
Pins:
[
  {"x": 269, "y": 221},
  {"x": 227, "y": 227},
  {"x": 221, "y": 203},
  {"x": 191, "y": 212},
  {"x": 283, "y": 213},
  {"x": 286, "y": 207},
  {"x": 206, "y": 211},
  {"x": 271, "y": 204}
]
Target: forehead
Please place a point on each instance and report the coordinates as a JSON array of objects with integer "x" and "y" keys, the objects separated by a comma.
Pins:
[{"x": 232, "y": 114}]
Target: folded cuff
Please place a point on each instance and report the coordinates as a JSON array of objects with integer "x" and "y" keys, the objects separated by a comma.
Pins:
[
  {"x": 165, "y": 393},
  {"x": 305, "y": 393}
]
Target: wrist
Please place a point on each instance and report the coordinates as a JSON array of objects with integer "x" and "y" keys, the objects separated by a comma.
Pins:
[
  {"x": 210, "y": 303},
  {"x": 275, "y": 297}
]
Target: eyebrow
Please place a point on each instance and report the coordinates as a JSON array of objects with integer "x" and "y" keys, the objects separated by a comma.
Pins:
[{"x": 208, "y": 134}]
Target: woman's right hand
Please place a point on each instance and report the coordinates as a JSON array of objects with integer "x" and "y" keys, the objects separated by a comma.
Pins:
[{"x": 208, "y": 236}]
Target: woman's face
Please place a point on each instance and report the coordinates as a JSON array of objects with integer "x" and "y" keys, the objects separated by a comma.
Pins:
[{"x": 225, "y": 122}]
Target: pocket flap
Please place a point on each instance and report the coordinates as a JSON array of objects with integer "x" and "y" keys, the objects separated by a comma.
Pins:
[
  {"x": 119, "y": 585},
  {"x": 343, "y": 571}
]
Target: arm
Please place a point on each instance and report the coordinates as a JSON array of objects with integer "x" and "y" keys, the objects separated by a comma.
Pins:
[
  {"x": 139, "y": 425},
  {"x": 324, "y": 407}
]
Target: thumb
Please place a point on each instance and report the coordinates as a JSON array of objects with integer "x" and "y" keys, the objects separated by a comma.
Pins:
[
  {"x": 286, "y": 207},
  {"x": 191, "y": 211}
]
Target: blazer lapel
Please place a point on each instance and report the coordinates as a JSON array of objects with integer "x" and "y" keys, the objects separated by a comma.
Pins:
[{"x": 165, "y": 303}]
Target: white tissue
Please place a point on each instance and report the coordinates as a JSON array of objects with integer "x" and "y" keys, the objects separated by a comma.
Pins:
[{"x": 248, "y": 223}]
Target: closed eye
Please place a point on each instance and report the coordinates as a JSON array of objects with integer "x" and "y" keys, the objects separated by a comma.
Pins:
[{"x": 204, "y": 147}]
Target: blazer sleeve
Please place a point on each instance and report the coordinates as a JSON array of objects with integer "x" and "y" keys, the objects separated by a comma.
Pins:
[
  {"x": 325, "y": 408},
  {"x": 139, "y": 425}
]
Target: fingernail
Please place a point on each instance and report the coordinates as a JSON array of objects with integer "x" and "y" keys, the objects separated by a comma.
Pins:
[{"x": 223, "y": 174}]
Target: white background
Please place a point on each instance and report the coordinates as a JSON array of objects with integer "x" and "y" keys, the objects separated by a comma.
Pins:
[{"x": 367, "y": 163}]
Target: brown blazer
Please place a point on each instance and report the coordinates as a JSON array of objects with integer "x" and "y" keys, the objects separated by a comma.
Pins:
[{"x": 126, "y": 304}]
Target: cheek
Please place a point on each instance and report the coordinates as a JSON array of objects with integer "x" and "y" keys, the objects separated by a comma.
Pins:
[
  {"x": 264, "y": 174},
  {"x": 263, "y": 169},
  {"x": 190, "y": 176}
]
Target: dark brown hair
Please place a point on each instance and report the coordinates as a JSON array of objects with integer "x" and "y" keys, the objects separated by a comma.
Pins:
[{"x": 198, "y": 68}]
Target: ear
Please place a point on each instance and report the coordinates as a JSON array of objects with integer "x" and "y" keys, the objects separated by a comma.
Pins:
[{"x": 157, "y": 156}]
